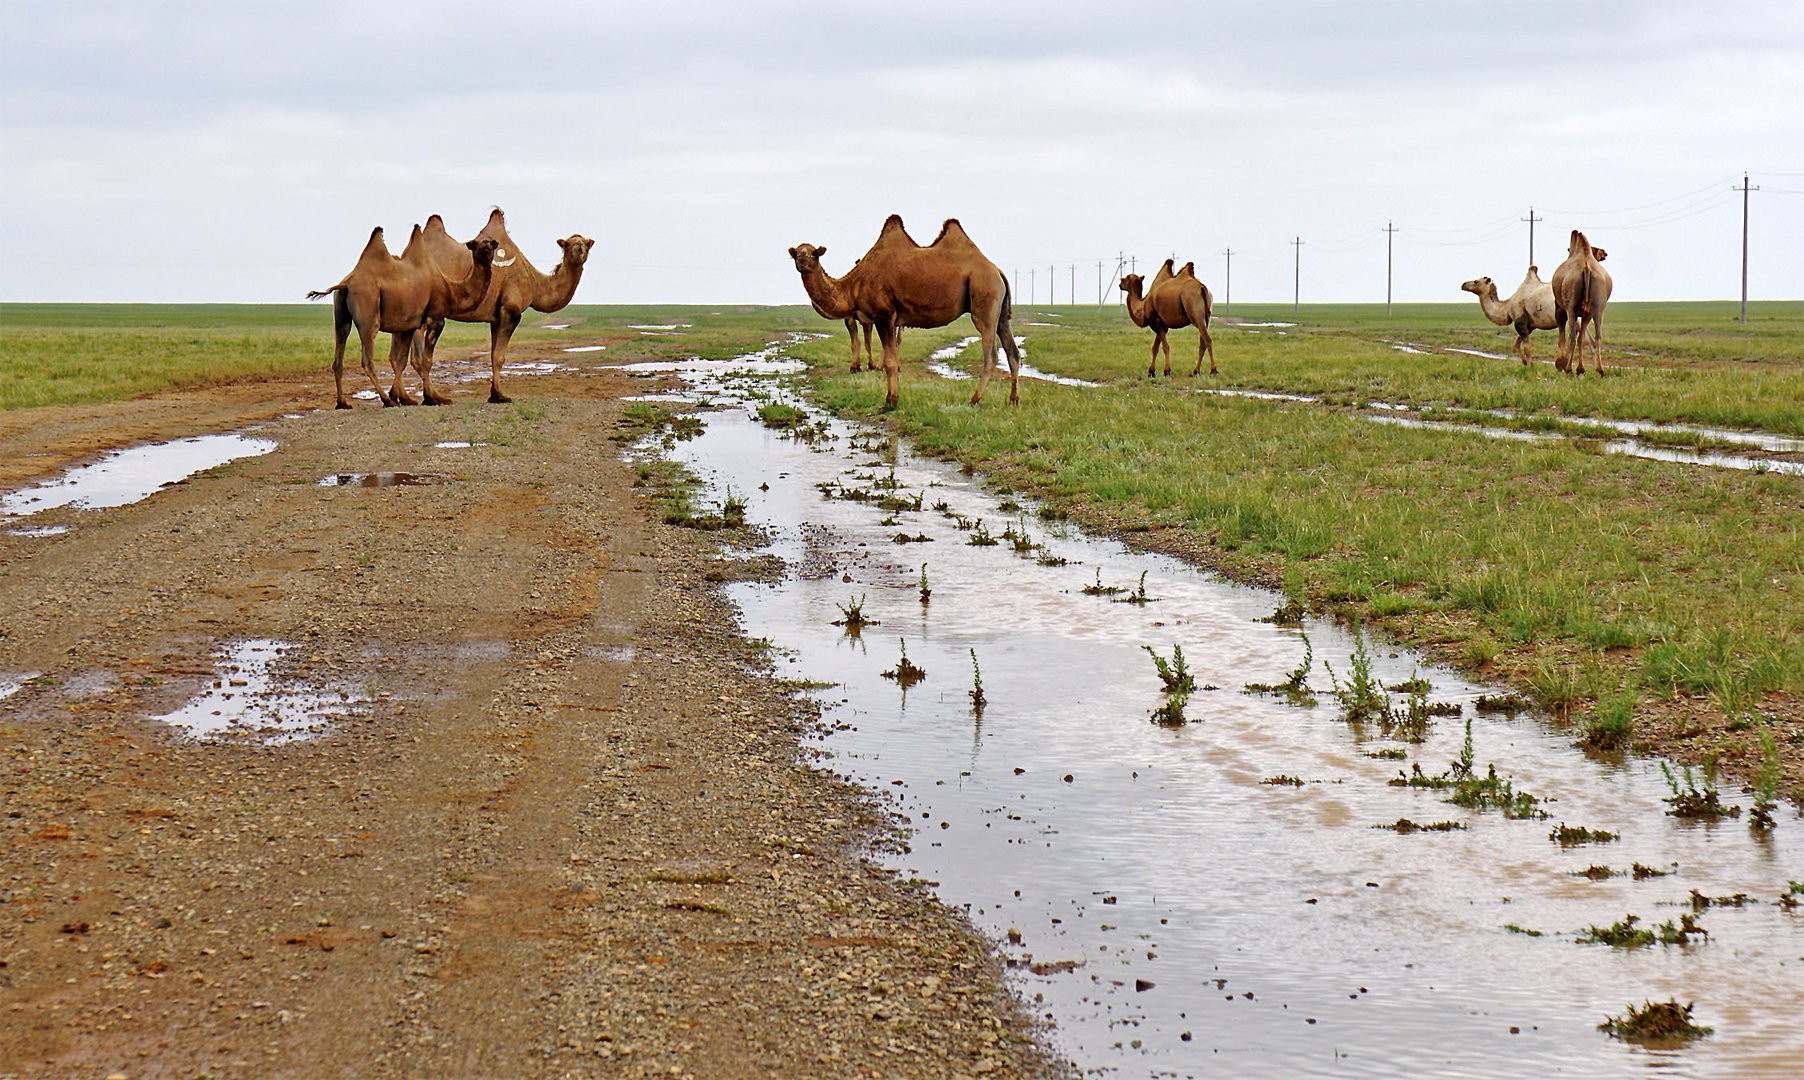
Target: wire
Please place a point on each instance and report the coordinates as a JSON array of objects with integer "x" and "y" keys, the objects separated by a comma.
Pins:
[{"x": 1644, "y": 206}]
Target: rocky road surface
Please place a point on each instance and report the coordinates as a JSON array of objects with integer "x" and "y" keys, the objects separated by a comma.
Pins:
[{"x": 559, "y": 824}]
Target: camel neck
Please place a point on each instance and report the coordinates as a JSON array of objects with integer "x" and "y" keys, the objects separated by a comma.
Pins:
[
  {"x": 826, "y": 294},
  {"x": 1136, "y": 308},
  {"x": 554, "y": 292},
  {"x": 1495, "y": 310}
]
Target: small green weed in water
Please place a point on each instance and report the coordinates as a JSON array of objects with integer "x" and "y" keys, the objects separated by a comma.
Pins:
[
  {"x": 781, "y": 417},
  {"x": 1404, "y": 826},
  {"x": 1171, "y": 713},
  {"x": 980, "y": 537},
  {"x": 1692, "y": 802},
  {"x": 1138, "y": 596},
  {"x": 1283, "y": 781},
  {"x": 1509, "y": 704},
  {"x": 1099, "y": 589},
  {"x": 1514, "y": 929},
  {"x": 1655, "y": 1022},
  {"x": 906, "y": 673},
  {"x": 1572, "y": 835},
  {"x": 853, "y": 615},
  {"x": 926, "y": 593},
  {"x": 1362, "y": 698},
  {"x": 1173, "y": 673},
  {"x": 1389, "y": 753},
  {"x": 1766, "y": 782},
  {"x": 1295, "y": 688},
  {"x": 976, "y": 691}
]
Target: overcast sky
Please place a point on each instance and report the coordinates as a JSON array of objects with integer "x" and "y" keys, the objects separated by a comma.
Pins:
[{"x": 163, "y": 150}]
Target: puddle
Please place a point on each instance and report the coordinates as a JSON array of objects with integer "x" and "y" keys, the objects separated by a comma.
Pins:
[
  {"x": 1285, "y": 325},
  {"x": 1479, "y": 352},
  {"x": 619, "y": 654},
  {"x": 1629, "y": 447},
  {"x": 247, "y": 702},
  {"x": 452, "y": 444},
  {"x": 40, "y": 531},
  {"x": 1165, "y": 911},
  {"x": 12, "y": 684},
  {"x": 1410, "y": 349},
  {"x": 586, "y": 348},
  {"x": 554, "y": 326},
  {"x": 378, "y": 479},
  {"x": 123, "y": 477},
  {"x": 937, "y": 363},
  {"x": 658, "y": 326}
]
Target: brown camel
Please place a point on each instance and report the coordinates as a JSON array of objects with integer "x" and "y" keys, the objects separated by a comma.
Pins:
[
  {"x": 1581, "y": 290},
  {"x": 899, "y": 283},
  {"x": 517, "y": 286},
  {"x": 853, "y": 322},
  {"x": 1174, "y": 302},
  {"x": 383, "y": 294}
]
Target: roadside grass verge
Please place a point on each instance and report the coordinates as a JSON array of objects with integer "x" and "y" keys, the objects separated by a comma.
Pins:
[{"x": 1577, "y": 573}]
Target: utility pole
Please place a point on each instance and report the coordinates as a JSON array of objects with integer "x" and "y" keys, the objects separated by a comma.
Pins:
[
  {"x": 1099, "y": 284},
  {"x": 1073, "y": 284},
  {"x": 1133, "y": 264},
  {"x": 1227, "y": 306},
  {"x": 1296, "y": 296},
  {"x": 1051, "y": 287},
  {"x": 1531, "y": 219},
  {"x": 1744, "y": 189},
  {"x": 1389, "y": 231},
  {"x": 1017, "y": 282},
  {"x": 1032, "y": 286}
]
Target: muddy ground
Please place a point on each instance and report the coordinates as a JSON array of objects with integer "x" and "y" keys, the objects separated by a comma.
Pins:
[{"x": 570, "y": 832}]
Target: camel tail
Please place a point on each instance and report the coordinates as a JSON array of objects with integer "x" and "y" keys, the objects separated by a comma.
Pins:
[
  {"x": 320, "y": 294},
  {"x": 1208, "y": 305}
]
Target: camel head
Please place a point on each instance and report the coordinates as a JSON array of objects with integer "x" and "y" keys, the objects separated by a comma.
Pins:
[
  {"x": 1483, "y": 286},
  {"x": 482, "y": 250},
  {"x": 807, "y": 257},
  {"x": 1598, "y": 254},
  {"x": 576, "y": 249},
  {"x": 1131, "y": 284}
]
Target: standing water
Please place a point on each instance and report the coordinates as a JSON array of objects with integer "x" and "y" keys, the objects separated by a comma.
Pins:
[{"x": 1221, "y": 897}]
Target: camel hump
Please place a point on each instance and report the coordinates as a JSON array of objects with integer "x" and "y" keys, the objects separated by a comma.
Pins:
[
  {"x": 894, "y": 233},
  {"x": 951, "y": 230},
  {"x": 497, "y": 217},
  {"x": 375, "y": 246},
  {"x": 1189, "y": 269},
  {"x": 435, "y": 224}
]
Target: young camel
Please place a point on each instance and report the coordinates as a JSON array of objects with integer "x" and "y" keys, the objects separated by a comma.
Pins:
[
  {"x": 1581, "y": 290},
  {"x": 398, "y": 296},
  {"x": 1174, "y": 302},
  {"x": 899, "y": 283},
  {"x": 516, "y": 287}
]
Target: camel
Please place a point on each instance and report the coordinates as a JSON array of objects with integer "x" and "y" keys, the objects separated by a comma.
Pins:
[
  {"x": 398, "y": 296},
  {"x": 853, "y": 322},
  {"x": 899, "y": 283},
  {"x": 1173, "y": 302},
  {"x": 1528, "y": 309},
  {"x": 517, "y": 286},
  {"x": 1581, "y": 289}
]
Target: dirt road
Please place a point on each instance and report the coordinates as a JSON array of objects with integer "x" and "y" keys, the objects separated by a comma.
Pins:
[{"x": 562, "y": 826}]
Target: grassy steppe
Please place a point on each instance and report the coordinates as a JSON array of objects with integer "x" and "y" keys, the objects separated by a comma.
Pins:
[{"x": 1579, "y": 574}]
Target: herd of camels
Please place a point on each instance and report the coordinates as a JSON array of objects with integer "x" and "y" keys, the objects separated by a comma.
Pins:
[{"x": 898, "y": 283}]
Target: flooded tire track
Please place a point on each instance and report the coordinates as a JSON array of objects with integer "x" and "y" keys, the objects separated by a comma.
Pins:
[{"x": 1234, "y": 894}]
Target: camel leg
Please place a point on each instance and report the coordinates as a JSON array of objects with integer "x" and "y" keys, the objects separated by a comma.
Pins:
[
  {"x": 424, "y": 343},
  {"x": 500, "y": 333},
  {"x": 400, "y": 349},
  {"x": 341, "y": 329},
  {"x": 1561, "y": 361},
  {"x": 366, "y": 337},
  {"x": 870, "y": 357},
  {"x": 1152, "y": 366},
  {"x": 1597, "y": 344},
  {"x": 852, "y": 333},
  {"x": 891, "y": 336},
  {"x": 1013, "y": 352},
  {"x": 1165, "y": 342},
  {"x": 986, "y": 332}
]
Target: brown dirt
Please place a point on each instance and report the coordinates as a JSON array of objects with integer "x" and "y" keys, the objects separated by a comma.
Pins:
[{"x": 536, "y": 853}]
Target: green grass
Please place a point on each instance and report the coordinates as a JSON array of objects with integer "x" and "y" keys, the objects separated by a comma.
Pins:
[{"x": 1582, "y": 573}]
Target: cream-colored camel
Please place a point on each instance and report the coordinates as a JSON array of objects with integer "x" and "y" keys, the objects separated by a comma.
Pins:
[
  {"x": 1528, "y": 309},
  {"x": 899, "y": 283},
  {"x": 1173, "y": 302},
  {"x": 398, "y": 296},
  {"x": 517, "y": 286},
  {"x": 1581, "y": 290}
]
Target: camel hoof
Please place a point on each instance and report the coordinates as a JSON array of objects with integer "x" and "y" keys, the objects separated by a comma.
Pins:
[
  {"x": 496, "y": 397},
  {"x": 435, "y": 399},
  {"x": 403, "y": 399},
  {"x": 342, "y": 405}
]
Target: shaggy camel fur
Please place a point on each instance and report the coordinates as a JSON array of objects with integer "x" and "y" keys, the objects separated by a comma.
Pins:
[
  {"x": 1174, "y": 302},
  {"x": 899, "y": 283},
  {"x": 1581, "y": 290},
  {"x": 399, "y": 296},
  {"x": 517, "y": 286}
]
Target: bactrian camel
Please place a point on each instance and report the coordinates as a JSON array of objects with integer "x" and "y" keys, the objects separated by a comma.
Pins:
[
  {"x": 852, "y": 324},
  {"x": 899, "y": 283},
  {"x": 1528, "y": 309},
  {"x": 1174, "y": 301},
  {"x": 1581, "y": 289},
  {"x": 517, "y": 286},
  {"x": 399, "y": 296}
]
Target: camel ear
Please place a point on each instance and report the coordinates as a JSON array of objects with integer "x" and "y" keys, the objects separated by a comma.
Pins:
[
  {"x": 792, "y": 253},
  {"x": 819, "y": 251},
  {"x": 565, "y": 244}
]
